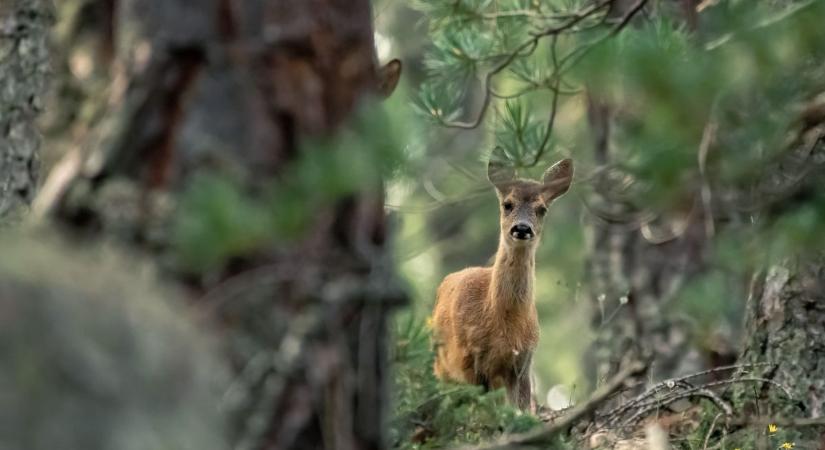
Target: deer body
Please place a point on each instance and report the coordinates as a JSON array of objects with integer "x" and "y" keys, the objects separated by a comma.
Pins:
[{"x": 484, "y": 321}]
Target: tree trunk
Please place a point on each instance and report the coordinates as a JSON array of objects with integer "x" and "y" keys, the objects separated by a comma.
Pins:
[
  {"x": 233, "y": 89},
  {"x": 24, "y": 69},
  {"x": 641, "y": 259},
  {"x": 637, "y": 266},
  {"x": 784, "y": 319},
  {"x": 784, "y": 322},
  {"x": 633, "y": 281}
]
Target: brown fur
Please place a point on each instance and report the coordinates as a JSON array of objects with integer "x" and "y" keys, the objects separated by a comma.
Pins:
[{"x": 484, "y": 322}]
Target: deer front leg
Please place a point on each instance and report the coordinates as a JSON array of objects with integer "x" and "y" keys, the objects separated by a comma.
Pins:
[
  {"x": 520, "y": 390},
  {"x": 519, "y": 393},
  {"x": 525, "y": 394}
]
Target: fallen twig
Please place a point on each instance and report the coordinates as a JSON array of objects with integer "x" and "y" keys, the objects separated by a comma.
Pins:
[
  {"x": 645, "y": 399},
  {"x": 642, "y": 408},
  {"x": 544, "y": 434},
  {"x": 710, "y": 431}
]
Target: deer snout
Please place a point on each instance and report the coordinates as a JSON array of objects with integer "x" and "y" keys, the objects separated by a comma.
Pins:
[{"x": 522, "y": 231}]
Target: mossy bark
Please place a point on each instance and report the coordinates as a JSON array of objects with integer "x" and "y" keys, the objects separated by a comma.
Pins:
[
  {"x": 24, "y": 70},
  {"x": 785, "y": 328}
]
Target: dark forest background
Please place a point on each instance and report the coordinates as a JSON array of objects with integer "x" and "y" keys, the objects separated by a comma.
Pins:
[{"x": 223, "y": 224}]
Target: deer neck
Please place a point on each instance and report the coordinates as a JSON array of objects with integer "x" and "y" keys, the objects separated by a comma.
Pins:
[{"x": 514, "y": 273}]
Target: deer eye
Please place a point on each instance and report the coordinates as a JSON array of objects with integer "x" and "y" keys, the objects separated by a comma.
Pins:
[
  {"x": 541, "y": 210},
  {"x": 508, "y": 206}
]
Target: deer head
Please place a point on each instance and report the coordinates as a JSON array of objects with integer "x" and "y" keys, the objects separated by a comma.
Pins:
[{"x": 524, "y": 203}]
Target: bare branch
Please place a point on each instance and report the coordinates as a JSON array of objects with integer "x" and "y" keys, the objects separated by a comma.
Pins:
[
  {"x": 640, "y": 4},
  {"x": 708, "y": 137}
]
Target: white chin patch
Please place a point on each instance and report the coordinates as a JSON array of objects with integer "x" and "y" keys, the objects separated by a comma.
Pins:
[{"x": 526, "y": 237}]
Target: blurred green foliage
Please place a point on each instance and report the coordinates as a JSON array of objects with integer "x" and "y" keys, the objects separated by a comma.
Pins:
[
  {"x": 217, "y": 207},
  {"x": 749, "y": 75}
]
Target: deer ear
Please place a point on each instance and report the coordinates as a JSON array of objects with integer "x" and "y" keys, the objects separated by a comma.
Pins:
[
  {"x": 388, "y": 77},
  {"x": 557, "y": 179},
  {"x": 498, "y": 172}
]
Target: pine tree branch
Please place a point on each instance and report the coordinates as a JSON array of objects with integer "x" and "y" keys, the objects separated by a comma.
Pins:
[{"x": 525, "y": 49}]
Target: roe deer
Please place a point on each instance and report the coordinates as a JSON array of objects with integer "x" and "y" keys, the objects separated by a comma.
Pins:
[{"x": 485, "y": 326}]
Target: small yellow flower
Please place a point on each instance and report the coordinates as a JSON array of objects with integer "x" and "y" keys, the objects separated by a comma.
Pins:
[
  {"x": 787, "y": 445},
  {"x": 772, "y": 428},
  {"x": 430, "y": 322}
]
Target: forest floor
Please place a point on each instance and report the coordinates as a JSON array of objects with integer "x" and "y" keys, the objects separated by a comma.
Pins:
[{"x": 688, "y": 413}]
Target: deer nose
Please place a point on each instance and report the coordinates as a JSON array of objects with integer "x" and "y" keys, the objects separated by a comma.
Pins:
[{"x": 522, "y": 231}]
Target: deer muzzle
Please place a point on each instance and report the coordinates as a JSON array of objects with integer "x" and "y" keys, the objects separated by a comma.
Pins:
[{"x": 522, "y": 232}]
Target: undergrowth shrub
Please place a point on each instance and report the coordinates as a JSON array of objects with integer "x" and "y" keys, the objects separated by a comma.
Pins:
[{"x": 428, "y": 413}]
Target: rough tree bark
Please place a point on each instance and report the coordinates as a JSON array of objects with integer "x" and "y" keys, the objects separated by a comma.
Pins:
[
  {"x": 234, "y": 88},
  {"x": 785, "y": 322},
  {"x": 24, "y": 69},
  {"x": 784, "y": 319}
]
